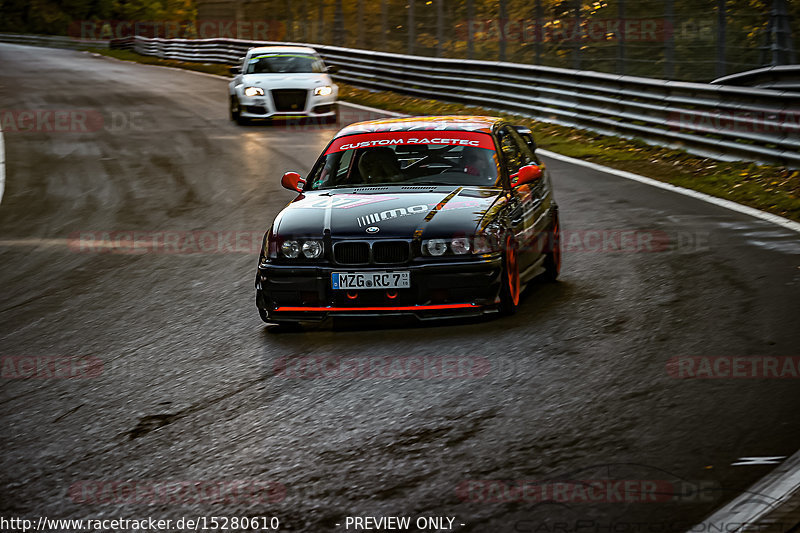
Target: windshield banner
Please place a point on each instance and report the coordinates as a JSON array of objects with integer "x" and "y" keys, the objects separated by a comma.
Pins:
[{"x": 371, "y": 140}]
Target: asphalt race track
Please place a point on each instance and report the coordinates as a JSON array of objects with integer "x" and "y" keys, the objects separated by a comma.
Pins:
[{"x": 186, "y": 384}]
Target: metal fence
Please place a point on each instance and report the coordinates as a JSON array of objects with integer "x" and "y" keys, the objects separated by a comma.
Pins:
[
  {"x": 721, "y": 121},
  {"x": 712, "y": 120},
  {"x": 53, "y": 41},
  {"x": 688, "y": 40}
]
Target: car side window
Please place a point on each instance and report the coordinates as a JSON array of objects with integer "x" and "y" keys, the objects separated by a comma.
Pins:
[{"x": 516, "y": 153}]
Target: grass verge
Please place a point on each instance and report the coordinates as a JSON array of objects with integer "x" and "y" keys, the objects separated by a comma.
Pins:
[{"x": 770, "y": 188}]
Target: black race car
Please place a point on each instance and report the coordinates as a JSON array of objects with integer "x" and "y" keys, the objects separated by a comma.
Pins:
[{"x": 426, "y": 216}]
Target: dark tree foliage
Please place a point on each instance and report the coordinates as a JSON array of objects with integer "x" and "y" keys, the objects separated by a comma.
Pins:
[{"x": 60, "y": 17}]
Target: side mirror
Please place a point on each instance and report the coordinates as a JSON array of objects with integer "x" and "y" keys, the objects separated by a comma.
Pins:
[
  {"x": 293, "y": 182},
  {"x": 234, "y": 70},
  {"x": 331, "y": 69},
  {"x": 526, "y": 174}
]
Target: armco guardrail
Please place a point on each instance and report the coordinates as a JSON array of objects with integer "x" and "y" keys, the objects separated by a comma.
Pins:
[
  {"x": 713, "y": 120},
  {"x": 781, "y": 78},
  {"x": 51, "y": 41},
  {"x": 720, "y": 121}
]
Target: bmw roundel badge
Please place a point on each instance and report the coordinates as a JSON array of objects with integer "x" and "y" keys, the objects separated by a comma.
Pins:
[{"x": 373, "y": 229}]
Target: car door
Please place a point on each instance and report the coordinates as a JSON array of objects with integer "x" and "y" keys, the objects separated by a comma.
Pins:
[{"x": 526, "y": 204}]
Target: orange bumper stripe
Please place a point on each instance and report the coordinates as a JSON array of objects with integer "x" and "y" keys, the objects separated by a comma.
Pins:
[{"x": 400, "y": 308}]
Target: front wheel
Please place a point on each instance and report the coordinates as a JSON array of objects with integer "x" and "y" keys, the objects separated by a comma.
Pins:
[
  {"x": 335, "y": 118},
  {"x": 233, "y": 108},
  {"x": 510, "y": 285},
  {"x": 236, "y": 112}
]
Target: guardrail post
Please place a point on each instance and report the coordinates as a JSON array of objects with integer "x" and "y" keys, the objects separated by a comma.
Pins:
[
  {"x": 576, "y": 34},
  {"x": 411, "y": 27},
  {"x": 539, "y": 34},
  {"x": 384, "y": 23},
  {"x": 360, "y": 24},
  {"x": 470, "y": 36},
  {"x": 721, "y": 27},
  {"x": 289, "y": 21},
  {"x": 669, "y": 42},
  {"x": 320, "y": 37},
  {"x": 780, "y": 36},
  {"x": 621, "y": 38},
  {"x": 501, "y": 45},
  {"x": 439, "y": 27},
  {"x": 338, "y": 24}
]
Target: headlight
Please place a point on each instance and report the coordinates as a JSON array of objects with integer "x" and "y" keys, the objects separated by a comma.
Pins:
[
  {"x": 460, "y": 246},
  {"x": 290, "y": 249},
  {"x": 435, "y": 247},
  {"x": 325, "y": 90},
  {"x": 312, "y": 249},
  {"x": 253, "y": 91},
  {"x": 488, "y": 241}
]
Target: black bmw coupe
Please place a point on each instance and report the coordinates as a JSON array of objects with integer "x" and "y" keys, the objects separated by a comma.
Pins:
[{"x": 433, "y": 217}]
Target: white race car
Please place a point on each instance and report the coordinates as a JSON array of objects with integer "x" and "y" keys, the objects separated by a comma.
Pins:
[{"x": 282, "y": 81}]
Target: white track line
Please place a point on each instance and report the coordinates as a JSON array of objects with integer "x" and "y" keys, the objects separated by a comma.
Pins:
[
  {"x": 2, "y": 166},
  {"x": 372, "y": 109},
  {"x": 768, "y": 499},
  {"x": 727, "y": 204}
]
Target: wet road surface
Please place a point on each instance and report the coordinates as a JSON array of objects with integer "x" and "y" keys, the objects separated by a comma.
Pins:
[{"x": 186, "y": 385}]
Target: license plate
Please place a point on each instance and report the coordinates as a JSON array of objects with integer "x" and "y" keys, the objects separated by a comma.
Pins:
[{"x": 371, "y": 280}]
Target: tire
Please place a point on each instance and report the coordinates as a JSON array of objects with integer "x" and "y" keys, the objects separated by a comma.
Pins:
[
  {"x": 236, "y": 112},
  {"x": 233, "y": 109},
  {"x": 282, "y": 325},
  {"x": 335, "y": 118},
  {"x": 510, "y": 283},
  {"x": 552, "y": 259}
]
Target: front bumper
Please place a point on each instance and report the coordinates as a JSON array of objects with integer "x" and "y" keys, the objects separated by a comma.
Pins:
[
  {"x": 438, "y": 290},
  {"x": 265, "y": 107}
]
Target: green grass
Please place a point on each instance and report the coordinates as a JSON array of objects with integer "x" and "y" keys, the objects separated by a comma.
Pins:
[
  {"x": 770, "y": 188},
  {"x": 127, "y": 55}
]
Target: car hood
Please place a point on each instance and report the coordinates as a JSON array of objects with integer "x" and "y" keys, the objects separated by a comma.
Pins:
[
  {"x": 293, "y": 80},
  {"x": 396, "y": 212}
]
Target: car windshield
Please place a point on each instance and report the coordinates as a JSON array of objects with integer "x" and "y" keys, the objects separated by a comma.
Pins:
[
  {"x": 408, "y": 158},
  {"x": 284, "y": 63}
]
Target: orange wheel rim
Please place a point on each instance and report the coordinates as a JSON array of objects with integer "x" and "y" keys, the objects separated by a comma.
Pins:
[
  {"x": 557, "y": 247},
  {"x": 512, "y": 272}
]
